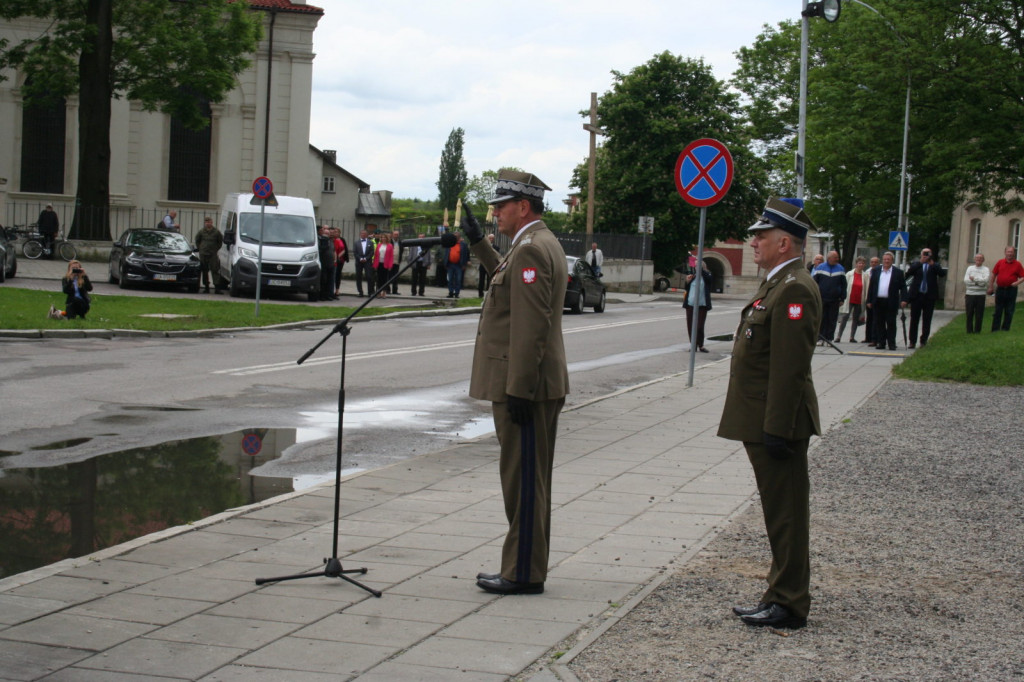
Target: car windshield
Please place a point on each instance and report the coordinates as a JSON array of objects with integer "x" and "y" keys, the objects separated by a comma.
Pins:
[
  {"x": 158, "y": 241},
  {"x": 279, "y": 229}
]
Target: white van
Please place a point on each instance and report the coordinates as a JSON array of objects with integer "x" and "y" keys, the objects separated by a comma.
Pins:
[{"x": 290, "y": 261}]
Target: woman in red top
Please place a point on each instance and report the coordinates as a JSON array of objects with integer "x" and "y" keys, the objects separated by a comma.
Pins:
[
  {"x": 340, "y": 257},
  {"x": 383, "y": 259},
  {"x": 856, "y": 297}
]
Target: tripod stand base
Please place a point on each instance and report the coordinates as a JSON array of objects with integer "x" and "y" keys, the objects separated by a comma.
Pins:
[{"x": 332, "y": 569}]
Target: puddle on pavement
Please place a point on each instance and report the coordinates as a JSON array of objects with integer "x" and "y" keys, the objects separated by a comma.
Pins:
[{"x": 52, "y": 513}]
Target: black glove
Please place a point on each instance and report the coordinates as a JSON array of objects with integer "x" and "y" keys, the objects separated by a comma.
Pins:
[
  {"x": 470, "y": 227},
  {"x": 777, "y": 446},
  {"x": 520, "y": 410}
]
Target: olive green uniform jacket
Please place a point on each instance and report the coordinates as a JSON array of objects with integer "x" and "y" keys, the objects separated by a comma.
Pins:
[
  {"x": 519, "y": 349},
  {"x": 770, "y": 386}
]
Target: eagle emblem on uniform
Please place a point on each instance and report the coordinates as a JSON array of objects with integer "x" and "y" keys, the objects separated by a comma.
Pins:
[
  {"x": 529, "y": 275},
  {"x": 796, "y": 311}
]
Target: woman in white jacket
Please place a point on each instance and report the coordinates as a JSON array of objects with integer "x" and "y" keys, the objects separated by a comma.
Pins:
[{"x": 857, "y": 295}]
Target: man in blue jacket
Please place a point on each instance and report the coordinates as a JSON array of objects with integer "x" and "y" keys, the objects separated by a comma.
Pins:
[{"x": 830, "y": 277}]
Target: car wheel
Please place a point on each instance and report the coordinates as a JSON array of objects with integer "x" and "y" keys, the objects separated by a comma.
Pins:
[
  {"x": 234, "y": 289},
  {"x": 111, "y": 277},
  {"x": 599, "y": 306},
  {"x": 581, "y": 301},
  {"x": 312, "y": 297},
  {"x": 14, "y": 268},
  {"x": 3, "y": 272},
  {"x": 122, "y": 280}
]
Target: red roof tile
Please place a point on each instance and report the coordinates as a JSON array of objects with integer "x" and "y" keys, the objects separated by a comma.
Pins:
[{"x": 284, "y": 6}]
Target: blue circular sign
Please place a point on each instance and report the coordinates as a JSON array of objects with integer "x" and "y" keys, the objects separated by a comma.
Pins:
[
  {"x": 703, "y": 172},
  {"x": 262, "y": 187},
  {"x": 251, "y": 444}
]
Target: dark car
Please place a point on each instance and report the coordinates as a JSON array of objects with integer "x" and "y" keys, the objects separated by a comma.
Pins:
[
  {"x": 8, "y": 258},
  {"x": 154, "y": 256},
  {"x": 584, "y": 288}
]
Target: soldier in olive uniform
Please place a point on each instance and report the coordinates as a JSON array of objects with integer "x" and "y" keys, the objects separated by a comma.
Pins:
[
  {"x": 519, "y": 365},
  {"x": 771, "y": 406},
  {"x": 208, "y": 242}
]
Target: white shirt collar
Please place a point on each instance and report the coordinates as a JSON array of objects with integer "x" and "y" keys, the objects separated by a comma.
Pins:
[
  {"x": 523, "y": 229},
  {"x": 779, "y": 267}
]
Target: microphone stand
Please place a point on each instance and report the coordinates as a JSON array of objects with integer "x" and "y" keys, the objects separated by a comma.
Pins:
[{"x": 332, "y": 565}]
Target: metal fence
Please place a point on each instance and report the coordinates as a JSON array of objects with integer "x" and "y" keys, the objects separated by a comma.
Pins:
[{"x": 22, "y": 214}]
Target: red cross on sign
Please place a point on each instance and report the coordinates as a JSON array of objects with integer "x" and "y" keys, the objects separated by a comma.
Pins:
[{"x": 703, "y": 172}]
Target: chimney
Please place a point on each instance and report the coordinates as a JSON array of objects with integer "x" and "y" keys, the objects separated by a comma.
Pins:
[{"x": 331, "y": 154}]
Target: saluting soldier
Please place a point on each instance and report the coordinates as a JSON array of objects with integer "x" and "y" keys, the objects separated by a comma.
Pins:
[
  {"x": 771, "y": 406},
  {"x": 519, "y": 365}
]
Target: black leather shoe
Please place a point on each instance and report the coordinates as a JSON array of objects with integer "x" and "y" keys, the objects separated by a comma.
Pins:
[
  {"x": 749, "y": 610},
  {"x": 488, "y": 576},
  {"x": 502, "y": 586},
  {"x": 913, "y": 346},
  {"x": 775, "y": 616}
]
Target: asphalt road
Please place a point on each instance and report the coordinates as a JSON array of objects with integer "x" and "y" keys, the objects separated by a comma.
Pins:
[{"x": 406, "y": 384}]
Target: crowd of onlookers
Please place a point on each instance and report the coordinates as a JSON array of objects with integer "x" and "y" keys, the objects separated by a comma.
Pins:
[{"x": 871, "y": 295}]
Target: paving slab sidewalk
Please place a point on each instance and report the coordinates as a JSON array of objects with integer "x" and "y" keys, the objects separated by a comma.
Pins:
[{"x": 641, "y": 483}]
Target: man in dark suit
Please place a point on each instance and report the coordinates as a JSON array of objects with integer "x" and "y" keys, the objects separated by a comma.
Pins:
[
  {"x": 772, "y": 407},
  {"x": 363, "y": 250},
  {"x": 887, "y": 293},
  {"x": 922, "y": 291},
  {"x": 519, "y": 366}
]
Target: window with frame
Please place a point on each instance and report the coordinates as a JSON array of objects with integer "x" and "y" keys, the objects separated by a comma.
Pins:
[
  {"x": 43, "y": 135},
  {"x": 975, "y": 245},
  {"x": 329, "y": 183},
  {"x": 188, "y": 172},
  {"x": 1014, "y": 239}
]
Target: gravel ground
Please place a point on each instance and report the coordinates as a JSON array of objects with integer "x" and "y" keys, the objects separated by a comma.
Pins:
[{"x": 917, "y": 543}]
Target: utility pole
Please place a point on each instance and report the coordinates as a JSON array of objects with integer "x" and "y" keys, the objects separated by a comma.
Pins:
[{"x": 592, "y": 164}]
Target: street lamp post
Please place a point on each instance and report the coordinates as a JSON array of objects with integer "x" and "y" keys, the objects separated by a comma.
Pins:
[{"x": 830, "y": 10}]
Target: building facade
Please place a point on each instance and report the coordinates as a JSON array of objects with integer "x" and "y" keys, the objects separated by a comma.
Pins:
[{"x": 157, "y": 165}]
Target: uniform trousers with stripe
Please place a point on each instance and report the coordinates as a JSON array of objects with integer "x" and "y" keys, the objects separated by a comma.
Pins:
[
  {"x": 784, "y": 486},
  {"x": 527, "y": 459}
]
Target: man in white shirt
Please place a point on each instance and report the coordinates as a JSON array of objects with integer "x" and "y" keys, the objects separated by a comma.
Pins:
[{"x": 976, "y": 278}]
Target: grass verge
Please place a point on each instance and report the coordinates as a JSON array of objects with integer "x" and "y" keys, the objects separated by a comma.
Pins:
[
  {"x": 26, "y": 309},
  {"x": 986, "y": 359}
]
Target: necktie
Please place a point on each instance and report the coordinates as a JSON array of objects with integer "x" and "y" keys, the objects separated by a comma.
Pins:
[{"x": 924, "y": 279}]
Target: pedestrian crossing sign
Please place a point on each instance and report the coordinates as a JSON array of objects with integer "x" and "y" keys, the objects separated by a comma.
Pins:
[{"x": 899, "y": 240}]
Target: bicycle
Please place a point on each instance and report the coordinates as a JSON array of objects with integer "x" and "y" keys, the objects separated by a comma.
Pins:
[{"x": 34, "y": 248}]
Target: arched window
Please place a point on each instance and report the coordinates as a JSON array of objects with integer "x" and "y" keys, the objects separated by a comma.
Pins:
[
  {"x": 43, "y": 134},
  {"x": 188, "y": 174},
  {"x": 975, "y": 245}
]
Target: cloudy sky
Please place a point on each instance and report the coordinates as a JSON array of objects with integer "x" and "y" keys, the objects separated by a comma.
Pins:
[{"x": 392, "y": 78}]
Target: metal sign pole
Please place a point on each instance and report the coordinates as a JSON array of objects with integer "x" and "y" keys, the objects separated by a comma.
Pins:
[
  {"x": 259, "y": 257},
  {"x": 698, "y": 298}
]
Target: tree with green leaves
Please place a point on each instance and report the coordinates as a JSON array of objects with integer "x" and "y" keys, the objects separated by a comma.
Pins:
[
  {"x": 451, "y": 179},
  {"x": 165, "y": 54},
  {"x": 650, "y": 115},
  {"x": 963, "y": 63}
]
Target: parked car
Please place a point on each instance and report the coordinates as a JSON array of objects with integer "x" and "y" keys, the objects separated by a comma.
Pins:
[
  {"x": 584, "y": 288},
  {"x": 8, "y": 257},
  {"x": 147, "y": 255}
]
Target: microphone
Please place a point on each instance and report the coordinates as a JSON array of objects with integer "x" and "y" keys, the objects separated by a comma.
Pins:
[{"x": 447, "y": 240}]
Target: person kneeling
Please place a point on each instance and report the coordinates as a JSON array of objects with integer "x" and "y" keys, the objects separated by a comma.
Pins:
[{"x": 76, "y": 286}]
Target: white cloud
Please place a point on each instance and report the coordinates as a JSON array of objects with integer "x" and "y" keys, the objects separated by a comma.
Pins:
[{"x": 392, "y": 78}]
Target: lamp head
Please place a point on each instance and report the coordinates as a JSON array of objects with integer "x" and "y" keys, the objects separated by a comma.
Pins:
[{"x": 827, "y": 9}]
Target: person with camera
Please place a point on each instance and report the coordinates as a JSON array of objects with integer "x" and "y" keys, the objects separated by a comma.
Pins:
[
  {"x": 922, "y": 292},
  {"x": 76, "y": 286}
]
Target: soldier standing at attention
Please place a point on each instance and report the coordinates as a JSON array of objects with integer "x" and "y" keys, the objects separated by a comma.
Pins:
[
  {"x": 519, "y": 366},
  {"x": 771, "y": 406}
]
